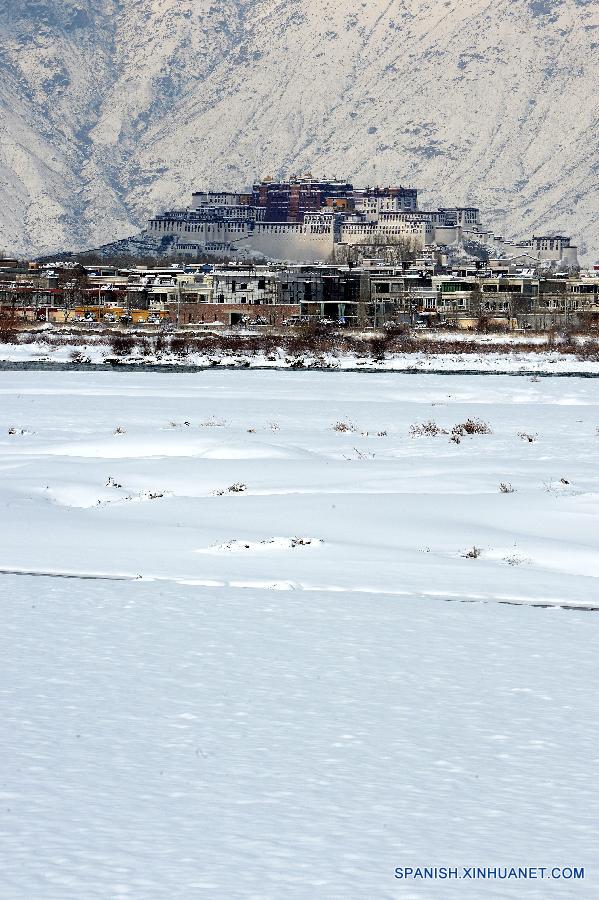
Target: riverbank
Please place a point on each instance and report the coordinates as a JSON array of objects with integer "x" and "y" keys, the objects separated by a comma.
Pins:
[{"x": 370, "y": 352}]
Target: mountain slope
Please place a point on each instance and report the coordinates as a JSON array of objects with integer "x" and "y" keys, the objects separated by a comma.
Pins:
[{"x": 113, "y": 110}]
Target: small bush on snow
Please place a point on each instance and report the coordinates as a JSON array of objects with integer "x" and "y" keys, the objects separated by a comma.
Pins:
[
  {"x": 515, "y": 560},
  {"x": 471, "y": 426},
  {"x": 77, "y": 357},
  {"x": 426, "y": 429},
  {"x": 237, "y": 488},
  {"x": 473, "y": 553}
]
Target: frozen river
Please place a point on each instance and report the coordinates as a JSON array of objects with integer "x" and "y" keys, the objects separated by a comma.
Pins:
[{"x": 251, "y": 684}]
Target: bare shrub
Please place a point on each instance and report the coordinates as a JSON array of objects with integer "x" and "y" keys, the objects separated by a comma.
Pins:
[
  {"x": 119, "y": 430},
  {"x": 343, "y": 427},
  {"x": 213, "y": 423},
  {"x": 144, "y": 346},
  {"x": 426, "y": 429},
  {"x": 506, "y": 488},
  {"x": 180, "y": 345},
  {"x": 587, "y": 352},
  {"x": 8, "y": 332},
  {"x": 122, "y": 344},
  {"x": 556, "y": 487},
  {"x": 531, "y": 438},
  {"x": 470, "y": 426},
  {"x": 378, "y": 347}
]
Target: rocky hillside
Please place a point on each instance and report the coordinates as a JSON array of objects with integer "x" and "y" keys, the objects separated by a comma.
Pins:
[{"x": 114, "y": 109}]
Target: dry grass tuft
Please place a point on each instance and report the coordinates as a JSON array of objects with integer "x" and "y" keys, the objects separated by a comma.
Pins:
[
  {"x": 426, "y": 429},
  {"x": 473, "y": 553}
]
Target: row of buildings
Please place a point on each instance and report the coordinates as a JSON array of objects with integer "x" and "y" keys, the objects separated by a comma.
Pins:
[
  {"x": 309, "y": 220},
  {"x": 374, "y": 294}
]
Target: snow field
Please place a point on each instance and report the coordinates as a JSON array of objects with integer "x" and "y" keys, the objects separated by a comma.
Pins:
[
  {"x": 161, "y": 740},
  {"x": 146, "y": 474},
  {"x": 250, "y": 687}
]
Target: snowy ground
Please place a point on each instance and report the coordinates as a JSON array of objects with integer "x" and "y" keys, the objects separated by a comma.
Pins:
[
  {"x": 252, "y": 686},
  {"x": 130, "y": 474}
]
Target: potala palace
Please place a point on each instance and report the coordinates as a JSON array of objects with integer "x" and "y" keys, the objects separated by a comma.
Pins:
[{"x": 309, "y": 220}]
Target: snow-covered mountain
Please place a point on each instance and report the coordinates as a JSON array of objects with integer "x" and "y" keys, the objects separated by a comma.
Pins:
[{"x": 114, "y": 109}]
